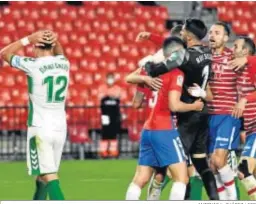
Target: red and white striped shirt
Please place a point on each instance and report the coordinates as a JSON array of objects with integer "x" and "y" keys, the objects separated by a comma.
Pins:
[
  {"x": 223, "y": 84},
  {"x": 245, "y": 87}
]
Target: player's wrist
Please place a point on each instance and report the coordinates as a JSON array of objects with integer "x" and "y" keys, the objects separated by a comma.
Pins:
[{"x": 25, "y": 41}]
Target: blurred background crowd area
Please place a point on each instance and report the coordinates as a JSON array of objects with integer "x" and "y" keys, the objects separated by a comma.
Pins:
[{"x": 99, "y": 40}]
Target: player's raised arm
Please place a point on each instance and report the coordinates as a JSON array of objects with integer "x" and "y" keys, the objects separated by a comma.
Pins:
[
  {"x": 57, "y": 49},
  {"x": 174, "y": 48},
  {"x": 137, "y": 77},
  {"x": 10, "y": 50}
]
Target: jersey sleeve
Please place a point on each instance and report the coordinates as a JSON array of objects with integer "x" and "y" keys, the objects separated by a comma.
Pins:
[
  {"x": 22, "y": 63},
  {"x": 176, "y": 81},
  {"x": 157, "y": 39}
]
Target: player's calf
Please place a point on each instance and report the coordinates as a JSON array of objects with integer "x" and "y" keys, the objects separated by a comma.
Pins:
[
  {"x": 141, "y": 178},
  {"x": 41, "y": 190},
  {"x": 225, "y": 172},
  {"x": 180, "y": 181},
  {"x": 53, "y": 186},
  {"x": 202, "y": 167}
]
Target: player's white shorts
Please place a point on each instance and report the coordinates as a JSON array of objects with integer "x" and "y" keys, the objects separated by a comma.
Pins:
[{"x": 44, "y": 150}]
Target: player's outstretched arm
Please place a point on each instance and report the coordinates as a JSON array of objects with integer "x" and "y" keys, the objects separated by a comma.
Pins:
[
  {"x": 35, "y": 38},
  {"x": 176, "y": 105},
  {"x": 137, "y": 78},
  {"x": 177, "y": 59}
]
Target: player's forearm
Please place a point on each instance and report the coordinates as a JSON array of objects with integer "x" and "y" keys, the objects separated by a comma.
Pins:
[
  {"x": 209, "y": 95},
  {"x": 181, "y": 107},
  {"x": 135, "y": 77},
  {"x": 8, "y": 51},
  {"x": 177, "y": 59},
  {"x": 58, "y": 50},
  {"x": 137, "y": 100}
]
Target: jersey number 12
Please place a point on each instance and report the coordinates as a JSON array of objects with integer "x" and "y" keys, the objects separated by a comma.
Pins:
[{"x": 55, "y": 94}]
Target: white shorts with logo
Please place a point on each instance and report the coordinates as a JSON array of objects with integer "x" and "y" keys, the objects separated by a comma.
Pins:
[{"x": 44, "y": 150}]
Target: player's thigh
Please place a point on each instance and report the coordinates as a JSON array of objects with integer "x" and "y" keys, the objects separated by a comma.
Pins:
[
  {"x": 147, "y": 156},
  {"x": 167, "y": 147},
  {"x": 59, "y": 142},
  {"x": 40, "y": 154},
  {"x": 179, "y": 172},
  {"x": 187, "y": 138},
  {"x": 228, "y": 133}
]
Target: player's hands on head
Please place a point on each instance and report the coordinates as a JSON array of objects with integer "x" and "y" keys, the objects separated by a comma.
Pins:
[
  {"x": 153, "y": 83},
  {"x": 239, "y": 108},
  {"x": 199, "y": 105},
  {"x": 142, "y": 36},
  {"x": 237, "y": 63},
  {"x": 43, "y": 36}
]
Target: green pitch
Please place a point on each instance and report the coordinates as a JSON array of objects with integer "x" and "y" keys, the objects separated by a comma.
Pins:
[{"x": 80, "y": 180}]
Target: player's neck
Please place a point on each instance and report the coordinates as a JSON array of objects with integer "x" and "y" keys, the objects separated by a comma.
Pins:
[
  {"x": 218, "y": 51},
  {"x": 45, "y": 54},
  {"x": 194, "y": 43}
]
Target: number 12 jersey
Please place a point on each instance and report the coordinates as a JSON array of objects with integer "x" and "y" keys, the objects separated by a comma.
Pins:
[{"x": 48, "y": 79}]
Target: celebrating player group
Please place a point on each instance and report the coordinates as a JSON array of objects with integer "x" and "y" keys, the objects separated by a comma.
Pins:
[{"x": 199, "y": 98}]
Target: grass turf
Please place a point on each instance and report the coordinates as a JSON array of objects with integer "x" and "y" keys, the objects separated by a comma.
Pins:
[{"x": 80, "y": 180}]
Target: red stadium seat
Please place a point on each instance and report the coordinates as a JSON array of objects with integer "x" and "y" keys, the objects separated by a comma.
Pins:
[{"x": 78, "y": 134}]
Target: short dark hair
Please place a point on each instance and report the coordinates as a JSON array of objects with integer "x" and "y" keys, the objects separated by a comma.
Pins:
[
  {"x": 175, "y": 31},
  {"x": 196, "y": 27},
  {"x": 248, "y": 43},
  {"x": 224, "y": 25},
  {"x": 46, "y": 46},
  {"x": 169, "y": 42}
]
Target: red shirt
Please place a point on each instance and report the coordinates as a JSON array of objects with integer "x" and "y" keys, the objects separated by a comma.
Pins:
[
  {"x": 245, "y": 88},
  {"x": 160, "y": 115},
  {"x": 157, "y": 39},
  {"x": 223, "y": 84}
]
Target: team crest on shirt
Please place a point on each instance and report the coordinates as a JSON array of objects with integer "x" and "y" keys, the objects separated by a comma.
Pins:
[
  {"x": 218, "y": 67},
  {"x": 180, "y": 80}
]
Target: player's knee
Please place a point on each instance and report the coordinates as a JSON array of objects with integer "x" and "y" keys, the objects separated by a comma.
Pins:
[
  {"x": 49, "y": 177},
  {"x": 219, "y": 161},
  {"x": 141, "y": 180}
]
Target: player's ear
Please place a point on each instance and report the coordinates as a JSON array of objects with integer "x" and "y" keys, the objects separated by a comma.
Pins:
[{"x": 226, "y": 38}]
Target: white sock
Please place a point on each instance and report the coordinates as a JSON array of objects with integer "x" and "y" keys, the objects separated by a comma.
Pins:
[
  {"x": 227, "y": 177},
  {"x": 178, "y": 191},
  {"x": 154, "y": 190},
  {"x": 249, "y": 184},
  {"x": 133, "y": 192},
  {"x": 221, "y": 188}
]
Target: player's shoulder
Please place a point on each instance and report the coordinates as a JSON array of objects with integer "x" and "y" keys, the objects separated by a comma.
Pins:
[{"x": 176, "y": 72}]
